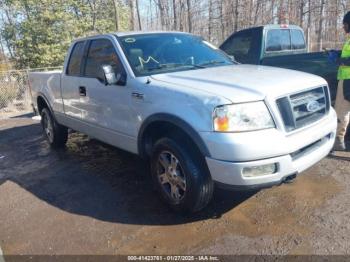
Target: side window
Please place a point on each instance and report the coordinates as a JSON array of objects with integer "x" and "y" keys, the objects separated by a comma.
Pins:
[
  {"x": 298, "y": 41},
  {"x": 278, "y": 40},
  {"x": 239, "y": 46},
  {"x": 101, "y": 52},
  {"x": 73, "y": 68}
]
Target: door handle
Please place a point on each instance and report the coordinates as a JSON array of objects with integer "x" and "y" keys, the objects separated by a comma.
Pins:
[
  {"x": 82, "y": 90},
  {"x": 137, "y": 95}
]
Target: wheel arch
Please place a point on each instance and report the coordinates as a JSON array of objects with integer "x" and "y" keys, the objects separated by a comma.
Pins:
[
  {"x": 160, "y": 124},
  {"x": 42, "y": 102}
]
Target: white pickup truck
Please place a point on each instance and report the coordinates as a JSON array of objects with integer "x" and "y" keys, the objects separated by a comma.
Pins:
[{"x": 198, "y": 117}]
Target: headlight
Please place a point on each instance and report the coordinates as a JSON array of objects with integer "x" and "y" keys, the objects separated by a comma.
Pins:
[{"x": 242, "y": 117}]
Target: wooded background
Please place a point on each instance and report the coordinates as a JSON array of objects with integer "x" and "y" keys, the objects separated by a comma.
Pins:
[{"x": 37, "y": 33}]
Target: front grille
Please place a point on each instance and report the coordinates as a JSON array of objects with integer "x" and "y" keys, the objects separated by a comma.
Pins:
[{"x": 301, "y": 109}]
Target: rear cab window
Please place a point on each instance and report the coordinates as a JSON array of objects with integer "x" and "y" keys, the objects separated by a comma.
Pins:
[
  {"x": 298, "y": 40},
  {"x": 278, "y": 40},
  {"x": 75, "y": 59}
]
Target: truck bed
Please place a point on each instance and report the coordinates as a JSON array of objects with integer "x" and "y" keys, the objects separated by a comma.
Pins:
[
  {"x": 315, "y": 63},
  {"x": 48, "y": 82}
]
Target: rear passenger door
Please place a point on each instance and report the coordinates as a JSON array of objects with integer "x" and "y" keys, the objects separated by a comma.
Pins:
[{"x": 70, "y": 82}]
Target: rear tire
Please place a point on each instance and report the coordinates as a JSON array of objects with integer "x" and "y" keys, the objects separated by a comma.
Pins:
[
  {"x": 180, "y": 176},
  {"x": 55, "y": 134}
]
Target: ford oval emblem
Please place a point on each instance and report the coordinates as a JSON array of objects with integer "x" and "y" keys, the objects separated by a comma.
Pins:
[{"x": 313, "y": 106}]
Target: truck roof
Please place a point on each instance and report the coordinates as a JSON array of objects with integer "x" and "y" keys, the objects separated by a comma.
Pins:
[
  {"x": 282, "y": 26},
  {"x": 129, "y": 33},
  {"x": 121, "y": 34},
  {"x": 276, "y": 26}
]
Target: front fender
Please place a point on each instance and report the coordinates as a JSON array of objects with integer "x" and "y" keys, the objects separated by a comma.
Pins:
[{"x": 178, "y": 122}]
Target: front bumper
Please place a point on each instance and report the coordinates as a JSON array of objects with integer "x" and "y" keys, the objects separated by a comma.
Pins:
[{"x": 305, "y": 149}]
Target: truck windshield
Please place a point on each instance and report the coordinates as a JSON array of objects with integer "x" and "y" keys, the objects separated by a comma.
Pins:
[{"x": 150, "y": 54}]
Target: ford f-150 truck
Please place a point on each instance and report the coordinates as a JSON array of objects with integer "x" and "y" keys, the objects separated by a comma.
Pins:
[
  {"x": 198, "y": 117},
  {"x": 281, "y": 46}
]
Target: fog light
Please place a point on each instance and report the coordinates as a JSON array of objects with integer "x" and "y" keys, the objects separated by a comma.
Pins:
[{"x": 255, "y": 171}]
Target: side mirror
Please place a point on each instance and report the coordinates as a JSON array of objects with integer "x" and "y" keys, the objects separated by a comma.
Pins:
[
  {"x": 232, "y": 58},
  {"x": 111, "y": 78}
]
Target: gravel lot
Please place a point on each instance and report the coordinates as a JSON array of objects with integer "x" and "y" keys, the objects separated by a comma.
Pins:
[{"x": 94, "y": 199}]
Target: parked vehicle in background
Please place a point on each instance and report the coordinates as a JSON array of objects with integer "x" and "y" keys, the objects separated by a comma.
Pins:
[
  {"x": 281, "y": 46},
  {"x": 183, "y": 105}
]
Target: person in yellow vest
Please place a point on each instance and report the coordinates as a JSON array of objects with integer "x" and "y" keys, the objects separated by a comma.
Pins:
[{"x": 342, "y": 101}]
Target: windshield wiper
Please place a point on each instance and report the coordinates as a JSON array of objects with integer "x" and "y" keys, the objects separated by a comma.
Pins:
[
  {"x": 213, "y": 62},
  {"x": 163, "y": 66},
  {"x": 158, "y": 67},
  {"x": 196, "y": 66}
]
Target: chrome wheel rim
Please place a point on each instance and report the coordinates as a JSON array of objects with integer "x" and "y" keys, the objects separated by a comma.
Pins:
[
  {"x": 47, "y": 124},
  {"x": 171, "y": 176}
]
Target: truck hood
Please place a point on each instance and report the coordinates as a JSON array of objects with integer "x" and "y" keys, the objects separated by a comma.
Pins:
[{"x": 243, "y": 83}]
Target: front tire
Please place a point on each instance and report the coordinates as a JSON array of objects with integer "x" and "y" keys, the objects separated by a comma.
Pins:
[
  {"x": 180, "y": 176},
  {"x": 54, "y": 133}
]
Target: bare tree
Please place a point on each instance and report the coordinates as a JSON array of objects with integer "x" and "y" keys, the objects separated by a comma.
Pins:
[
  {"x": 132, "y": 14},
  {"x": 212, "y": 19},
  {"x": 301, "y": 12},
  {"x": 210, "y": 24},
  {"x": 92, "y": 5},
  {"x": 138, "y": 14},
  {"x": 182, "y": 8},
  {"x": 175, "y": 16},
  {"x": 308, "y": 32},
  {"x": 189, "y": 20},
  {"x": 161, "y": 8},
  {"x": 116, "y": 19},
  {"x": 320, "y": 26},
  {"x": 257, "y": 7},
  {"x": 235, "y": 27}
]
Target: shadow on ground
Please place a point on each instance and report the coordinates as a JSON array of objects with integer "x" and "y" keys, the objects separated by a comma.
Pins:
[{"x": 92, "y": 179}]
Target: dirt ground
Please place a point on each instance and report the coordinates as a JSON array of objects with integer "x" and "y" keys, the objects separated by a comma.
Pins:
[{"x": 92, "y": 199}]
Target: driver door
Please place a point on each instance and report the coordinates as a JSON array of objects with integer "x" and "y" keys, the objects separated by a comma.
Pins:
[{"x": 106, "y": 109}]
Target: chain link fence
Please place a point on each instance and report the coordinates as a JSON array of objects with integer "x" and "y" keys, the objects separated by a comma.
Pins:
[{"x": 15, "y": 97}]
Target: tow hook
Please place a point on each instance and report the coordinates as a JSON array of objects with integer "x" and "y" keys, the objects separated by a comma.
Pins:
[{"x": 289, "y": 179}]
